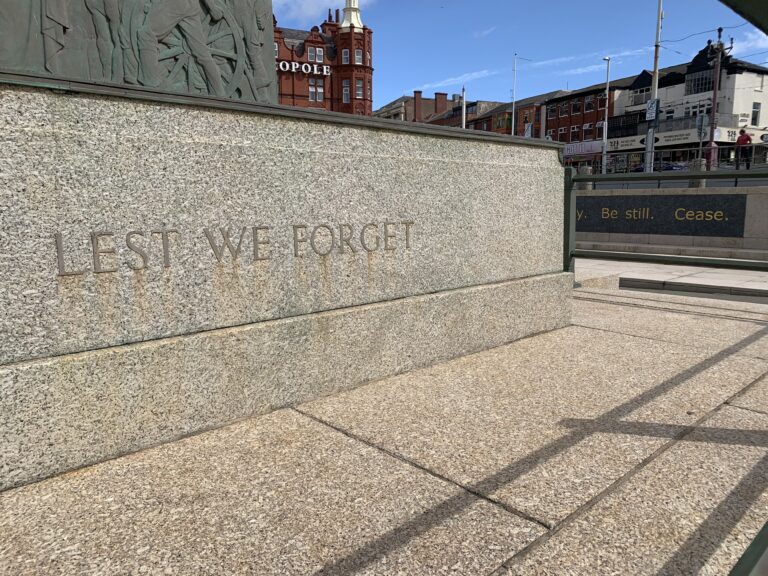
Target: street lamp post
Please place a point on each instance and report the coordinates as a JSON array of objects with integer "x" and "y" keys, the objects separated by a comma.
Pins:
[
  {"x": 605, "y": 122},
  {"x": 514, "y": 94},
  {"x": 463, "y": 107}
]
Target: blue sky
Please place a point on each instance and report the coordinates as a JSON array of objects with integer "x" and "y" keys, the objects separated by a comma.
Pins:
[{"x": 438, "y": 45}]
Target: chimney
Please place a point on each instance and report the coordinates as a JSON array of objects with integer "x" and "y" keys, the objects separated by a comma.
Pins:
[
  {"x": 441, "y": 102},
  {"x": 330, "y": 16},
  {"x": 417, "y": 117},
  {"x": 337, "y": 15}
]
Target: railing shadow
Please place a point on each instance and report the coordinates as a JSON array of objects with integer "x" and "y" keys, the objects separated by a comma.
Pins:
[{"x": 401, "y": 535}]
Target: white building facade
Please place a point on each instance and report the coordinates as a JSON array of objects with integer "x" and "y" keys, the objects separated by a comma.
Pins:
[{"x": 685, "y": 94}]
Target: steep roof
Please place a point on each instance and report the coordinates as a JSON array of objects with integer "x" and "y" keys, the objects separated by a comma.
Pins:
[
  {"x": 295, "y": 39},
  {"x": 539, "y": 99}
]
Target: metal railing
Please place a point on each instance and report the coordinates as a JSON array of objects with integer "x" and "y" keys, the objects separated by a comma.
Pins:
[
  {"x": 724, "y": 158},
  {"x": 572, "y": 179},
  {"x": 690, "y": 123}
]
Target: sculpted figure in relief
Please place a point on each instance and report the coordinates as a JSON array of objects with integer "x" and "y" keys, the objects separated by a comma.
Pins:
[
  {"x": 250, "y": 16},
  {"x": 106, "y": 19},
  {"x": 163, "y": 18},
  {"x": 219, "y": 47}
]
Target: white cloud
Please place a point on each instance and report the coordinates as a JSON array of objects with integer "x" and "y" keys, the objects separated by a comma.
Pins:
[
  {"x": 562, "y": 60},
  {"x": 487, "y": 32},
  {"x": 635, "y": 52},
  {"x": 593, "y": 55},
  {"x": 753, "y": 41},
  {"x": 586, "y": 69},
  {"x": 302, "y": 12},
  {"x": 459, "y": 80}
]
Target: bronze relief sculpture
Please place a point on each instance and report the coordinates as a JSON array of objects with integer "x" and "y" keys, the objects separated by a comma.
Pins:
[{"x": 218, "y": 48}]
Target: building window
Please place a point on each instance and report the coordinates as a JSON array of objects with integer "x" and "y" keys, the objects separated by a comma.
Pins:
[
  {"x": 640, "y": 96},
  {"x": 696, "y": 109},
  {"x": 312, "y": 90},
  {"x": 368, "y": 58},
  {"x": 575, "y": 133},
  {"x": 359, "y": 57},
  {"x": 276, "y": 50},
  {"x": 564, "y": 109},
  {"x": 562, "y": 134},
  {"x": 537, "y": 115},
  {"x": 670, "y": 114},
  {"x": 588, "y": 132},
  {"x": 576, "y": 107},
  {"x": 359, "y": 89},
  {"x": 345, "y": 56},
  {"x": 320, "y": 89},
  {"x": 755, "y": 113},
  {"x": 311, "y": 52},
  {"x": 599, "y": 127},
  {"x": 551, "y": 134},
  {"x": 345, "y": 91},
  {"x": 551, "y": 112},
  {"x": 370, "y": 90},
  {"x": 601, "y": 101},
  {"x": 320, "y": 55},
  {"x": 699, "y": 82},
  {"x": 589, "y": 103}
]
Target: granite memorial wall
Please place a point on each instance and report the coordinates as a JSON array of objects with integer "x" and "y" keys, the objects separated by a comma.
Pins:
[{"x": 167, "y": 269}]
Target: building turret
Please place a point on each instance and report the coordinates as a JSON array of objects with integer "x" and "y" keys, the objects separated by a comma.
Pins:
[{"x": 352, "y": 15}]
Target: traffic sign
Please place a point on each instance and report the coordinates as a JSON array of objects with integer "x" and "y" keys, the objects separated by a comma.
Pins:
[{"x": 652, "y": 110}]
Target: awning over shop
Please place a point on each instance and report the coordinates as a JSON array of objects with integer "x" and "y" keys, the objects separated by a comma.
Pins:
[{"x": 756, "y": 11}]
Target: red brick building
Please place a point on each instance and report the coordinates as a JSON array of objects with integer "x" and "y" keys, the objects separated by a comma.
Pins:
[
  {"x": 329, "y": 67},
  {"x": 530, "y": 113}
]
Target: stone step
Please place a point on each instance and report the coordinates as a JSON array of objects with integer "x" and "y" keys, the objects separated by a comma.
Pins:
[{"x": 694, "y": 251}]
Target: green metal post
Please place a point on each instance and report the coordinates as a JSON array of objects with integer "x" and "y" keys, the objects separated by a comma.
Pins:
[{"x": 569, "y": 220}]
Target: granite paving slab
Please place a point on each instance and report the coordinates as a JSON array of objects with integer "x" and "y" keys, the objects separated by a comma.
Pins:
[
  {"x": 715, "y": 307},
  {"x": 756, "y": 398},
  {"x": 279, "y": 495},
  {"x": 692, "y": 329},
  {"x": 517, "y": 423},
  {"x": 692, "y": 510}
]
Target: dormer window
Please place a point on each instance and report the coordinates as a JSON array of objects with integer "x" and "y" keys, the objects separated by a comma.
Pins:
[
  {"x": 640, "y": 96},
  {"x": 699, "y": 82}
]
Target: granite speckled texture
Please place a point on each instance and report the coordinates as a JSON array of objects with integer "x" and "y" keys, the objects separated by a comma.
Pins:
[
  {"x": 756, "y": 398},
  {"x": 707, "y": 329},
  {"x": 694, "y": 510},
  {"x": 527, "y": 424},
  {"x": 634, "y": 450},
  {"x": 354, "y": 253},
  {"x": 73, "y": 410},
  {"x": 482, "y": 212},
  {"x": 278, "y": 495}
]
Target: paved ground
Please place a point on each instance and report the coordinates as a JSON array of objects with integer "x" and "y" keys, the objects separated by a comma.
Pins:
[
  {"x": 673, "y": 277},
  {"x": 634, "y": 442}
]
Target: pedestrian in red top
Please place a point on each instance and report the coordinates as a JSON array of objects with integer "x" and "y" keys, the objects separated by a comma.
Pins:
[{"x": 744, "y": 149}]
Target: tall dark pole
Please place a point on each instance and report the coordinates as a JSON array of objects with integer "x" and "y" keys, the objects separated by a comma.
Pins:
[
  {"x": 715, "y": 88},
  {"x": 650, "y": 137}
]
